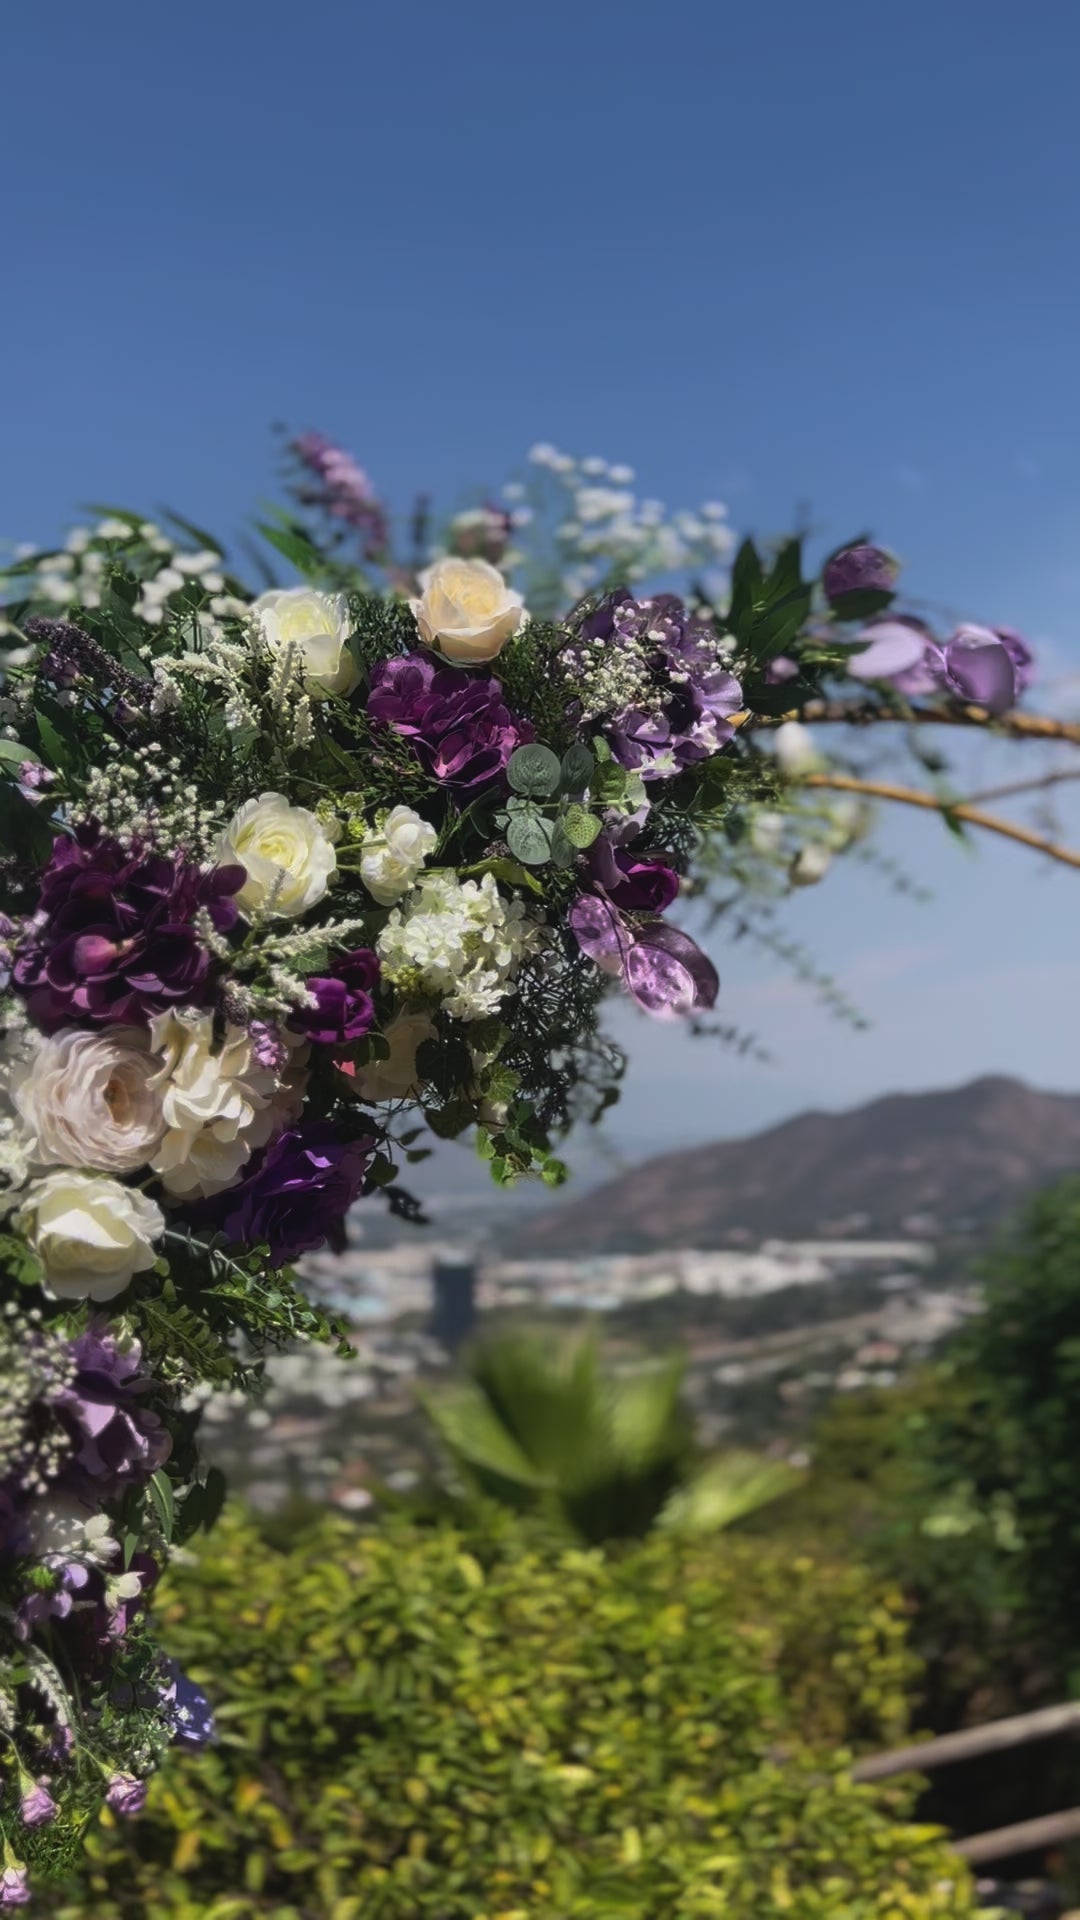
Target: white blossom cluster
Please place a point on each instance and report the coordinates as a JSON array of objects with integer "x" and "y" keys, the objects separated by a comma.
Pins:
[
  {"x": 75, "y": 574},
  {"x": 459, "y": 941},
  {"x": 602, "y": 529}
]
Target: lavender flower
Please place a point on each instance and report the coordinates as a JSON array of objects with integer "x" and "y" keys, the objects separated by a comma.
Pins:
[
  {"x": 186, "y": 1708},
  {"x": 114, "y": 939},
  {"x": 117, "y": 1441},
  {"x": 342, "y": 489},
  {"x": 14, "y": 1885},
  {"x": 294, "y": 1194},
  {"x": 126, "y": 1795},
  {"x": 457, "y": 724},
  {"x": 344, "y": 1009},
  {"x": 900, "y": 650},
  {"x": 660, "y": 966},
  {"x": 986, "y": 666},
  {"x": 37, "y": 1806}
]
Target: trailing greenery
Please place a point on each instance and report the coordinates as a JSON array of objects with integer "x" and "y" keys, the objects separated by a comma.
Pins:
[{"x": 493, "y": 1724}]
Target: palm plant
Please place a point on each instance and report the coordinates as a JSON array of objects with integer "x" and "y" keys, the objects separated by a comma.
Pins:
[{"x": 542, "y": 1425}]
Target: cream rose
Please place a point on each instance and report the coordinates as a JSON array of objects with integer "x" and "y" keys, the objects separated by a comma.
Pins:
[
  {"x": 396, "y": 1077},
  {"x": 217, "y": 1103},
  {"x": 89, "y": 1100},
  {"x": 466, "y": 610},
  {"x": 393, "y": 853},
  {"x": 91, "y": 1234},
  {"x": 286, "y": 853},
  {"x": 317, "y": 626}
]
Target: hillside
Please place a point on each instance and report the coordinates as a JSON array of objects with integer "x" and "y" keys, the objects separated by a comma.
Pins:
[{"x": 957, "y": 1158}]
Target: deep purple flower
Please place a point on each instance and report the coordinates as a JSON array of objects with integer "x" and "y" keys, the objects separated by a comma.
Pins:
[
  {"x": 37, "y": 1806},
  {"x": 186, "y": 1708},
  {"x": 986, "y": 666},
  {"x": 126, "y": 1795},
  {"x": 458, "y": 724},
  {"x": 118, "y": 1441},
  {"x": 632, "y": 881},
  {"x": 692, "y": 696},
  {"x": 303, "y": 1183},
  {"x": 862, "y": 569},
  {"x": 344, "y": 1009},
  {"x": 660, "y": 966},
  {"x": 114, "y": 937}
]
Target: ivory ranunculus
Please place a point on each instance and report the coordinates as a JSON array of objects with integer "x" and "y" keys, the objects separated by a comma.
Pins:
[
  {"x": 89, "y": 1100},
  {"x": 394, "y": 852},
  {"x": 217, "y": 1103},
  {"x": 317, "y": 626},
  {"x": 396, "y": 1077},
  {"x": 466, "y": 610},
  {"x": 285, "y": 852},
  {"x": 91, "y": 1234}
]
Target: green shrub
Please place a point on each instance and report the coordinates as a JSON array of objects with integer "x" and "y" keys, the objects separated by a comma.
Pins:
[{"x": 497, "y": 1726}]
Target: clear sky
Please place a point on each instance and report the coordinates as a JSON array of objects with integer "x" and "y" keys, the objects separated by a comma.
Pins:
[{"x": 785, "y": 255}]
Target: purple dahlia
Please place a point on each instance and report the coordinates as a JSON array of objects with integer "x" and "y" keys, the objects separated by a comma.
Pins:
[
  {"x": 294, "y": 1195},
  {"x": 114, "y": 937},
  {"x": 458, "y": 724},
  {"x": 344, "y": 1009}
]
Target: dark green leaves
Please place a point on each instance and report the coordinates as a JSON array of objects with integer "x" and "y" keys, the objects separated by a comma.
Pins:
[
  {"x": 534, "y": 771},
  {"x": 578, "y": 767},
  {"x": 768, "y": 609}
]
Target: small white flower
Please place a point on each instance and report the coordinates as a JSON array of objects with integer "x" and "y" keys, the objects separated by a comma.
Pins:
[
  {"x": 466, "y": 611},
  {"x": 396, "y": 1078},
  {"x": 91, "y": 1234},
  {"x": 89, "y": 1100},
  {"x": 594, "y": 465},
  {"x": 198, "y": 563},
  {"x": 112, "y": 529},
  {"x": 78, "y": 540},
  {"x": 60, "y": 1529},
  {"x": 316, "y": 627},
  {"x": 621, "y": 476},
  {"x": 286, "y": 853},
  {"x": 462, "y": 940},
  {"x": 393, "y": 853}
]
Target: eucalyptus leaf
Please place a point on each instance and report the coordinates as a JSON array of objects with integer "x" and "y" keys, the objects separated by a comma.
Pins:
[
  {"x": 580, "y": 826},
  {"x": 578, "y": 767},
  {"x": 534, "y": 770},
  {"x": 529, "y": 838}
]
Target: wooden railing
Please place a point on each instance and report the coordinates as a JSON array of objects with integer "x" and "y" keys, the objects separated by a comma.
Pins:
[{"x": 997, "y": 1736}]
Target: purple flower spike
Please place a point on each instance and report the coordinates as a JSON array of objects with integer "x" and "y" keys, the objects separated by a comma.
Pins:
[
  {"x": 344, "y": 1009},
  {"x": 980, "y": 668},
  {"x": 37, "y": 1806},
  {"x": 458, "y": 725},
  {"x": 298, "y": 1190},
  {"x": 862, "y": 569},
  {"x": 126, "y": 1795}
]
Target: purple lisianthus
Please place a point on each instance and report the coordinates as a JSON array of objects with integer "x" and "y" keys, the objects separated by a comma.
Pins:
[
  {"x": 458, "y": 724},
  {"x": 293, "y": 1196},
  {"x": 861, "y": 569},
  {"x": 987, "y": 666},
  {"x": 114, "y": 938},
  {"x": 126, "y": 1795},
  {"x": 687, "y": 696},
  {"x": 659, "y": 965},
  {"x": 344, "y": 1009},
  {"x": 117, "y": 1441},
  {"x": 37, "y": 1806},
  {"x": 632, "y": 881}
]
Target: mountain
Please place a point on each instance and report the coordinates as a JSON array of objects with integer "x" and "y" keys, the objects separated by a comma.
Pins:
[{"x": 912, "y": 1161}]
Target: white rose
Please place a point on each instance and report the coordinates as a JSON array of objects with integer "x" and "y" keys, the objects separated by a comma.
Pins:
[
  {"x": 217, "y": 1103},
  {"x": 89, "y": 1100},
  {"x": 286, "y": 853},
  {"x": 466, "y": 610},
  {"x": 91, "y": 1234},
  {"x": 392, "y": 854},
  {"x": 317, "y": 626},
  {"x": 396, "y": 1077},
  {"x": 795, "y": 750}
]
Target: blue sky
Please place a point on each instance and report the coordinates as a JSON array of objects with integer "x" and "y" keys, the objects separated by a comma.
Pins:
[{"x": 792, "y": 257}]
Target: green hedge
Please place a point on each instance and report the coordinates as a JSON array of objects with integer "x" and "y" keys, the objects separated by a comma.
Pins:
[{"x": 495, "y": 1727}]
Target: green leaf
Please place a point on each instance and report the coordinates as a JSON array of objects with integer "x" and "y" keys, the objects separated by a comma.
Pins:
[
  {"x": 52, "y": 744},
  {"x": 295, "y": 546},
  {"x": 862, "y": 604},
  {"x": 471, "y": 1428},
  {"x": 161, "y": 1497},
  {"x": 747, "y": 579},
  {"x": 563, "y": 851},
  {"x": 13, "y": 753},
  {"x": 529, "y": 838},
  {"x": 725, "y": 1490},
  {"x": 198, "y": 534},
  {"x": 534, "y": 770},
  {"x": 509, "y": 872},
  {"x": 580, "y": 826},
  {"x": 578, "y": 767}
]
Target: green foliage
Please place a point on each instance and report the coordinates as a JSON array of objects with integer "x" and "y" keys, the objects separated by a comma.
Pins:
[
  {"x": 421, "y": 1721},
  {"x": 606, "y": 1455}
]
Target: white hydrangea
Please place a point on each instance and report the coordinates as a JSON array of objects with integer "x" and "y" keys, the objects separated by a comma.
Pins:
[{"x": 459, "y": 940}]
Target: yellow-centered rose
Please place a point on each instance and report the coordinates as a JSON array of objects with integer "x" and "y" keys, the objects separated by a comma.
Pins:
[{"x": 466, "y": 611}]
